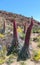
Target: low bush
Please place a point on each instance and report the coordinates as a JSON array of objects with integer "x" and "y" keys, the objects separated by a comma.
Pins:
[
  {"x": 36, "y": 56},
  {"x": 3, "y": 55}
]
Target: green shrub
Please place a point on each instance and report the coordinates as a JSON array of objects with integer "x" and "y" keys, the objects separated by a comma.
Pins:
[
  {"x": 2, "y": 55},
  {"x": 36, "y": 29},
  {"x": 22, "y": 35},
  {"x": 10, "y": 59},
  {"x": 35, "y": 39},
  {"x": 38, "y": 45},
  {"x": 22, "y": 63},
  {"x": 36, "y": 56}
]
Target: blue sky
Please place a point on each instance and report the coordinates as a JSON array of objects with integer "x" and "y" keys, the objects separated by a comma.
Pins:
[{"x": 24, "y": 7}]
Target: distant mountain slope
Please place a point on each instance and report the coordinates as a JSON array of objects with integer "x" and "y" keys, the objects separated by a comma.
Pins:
[{"x": 17, "y": 17}]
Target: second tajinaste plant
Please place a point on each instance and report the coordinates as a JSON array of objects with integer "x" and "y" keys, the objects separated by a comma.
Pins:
[
  {"x": 14, "y": 43},
  {"x": 24, "y": 53}
]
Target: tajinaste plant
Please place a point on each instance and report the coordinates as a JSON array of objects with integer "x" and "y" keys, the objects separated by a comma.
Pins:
[
  {"x": 15, "y": 37},
  {"x": 28, "y": 33},
  {"x": 14, "y": 43},
  {"x": 25, "y": 49}
]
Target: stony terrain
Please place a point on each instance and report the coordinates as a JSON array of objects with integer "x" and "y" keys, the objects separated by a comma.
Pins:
[{"x": 6, "y": 38}]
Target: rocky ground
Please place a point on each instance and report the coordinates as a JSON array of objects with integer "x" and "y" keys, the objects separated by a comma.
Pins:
[
  {"x": 33, "y": 46},
  {"x": 6, "y": 39}
]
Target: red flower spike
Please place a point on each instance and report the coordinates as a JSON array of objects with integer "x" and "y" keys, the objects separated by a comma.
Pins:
[
  {"x": 28, "y": 33},
  {"x": 14, "y": 29}
]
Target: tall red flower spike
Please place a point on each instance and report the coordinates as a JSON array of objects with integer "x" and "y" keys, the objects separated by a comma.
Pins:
[
  {"x": 28, "y": 33},
  {"x": 15, "y": 38},
  {"x": 14, "y": 29}
]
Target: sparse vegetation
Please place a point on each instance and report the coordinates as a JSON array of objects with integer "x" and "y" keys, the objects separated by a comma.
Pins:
[
  {"x": 22, "y": 63},
  {"x": 3, "y": 55},
  {"x": 36, "y": 29},
  {"x": 6, "y": 37},
  {"x": 36, "y": 56}
]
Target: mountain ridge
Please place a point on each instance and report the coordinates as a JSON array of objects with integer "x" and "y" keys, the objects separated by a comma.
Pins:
[{"x": 17, "y": 17}]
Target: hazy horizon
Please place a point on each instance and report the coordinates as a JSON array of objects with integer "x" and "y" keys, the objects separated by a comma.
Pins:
[{"x": 25, "y": 8}]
